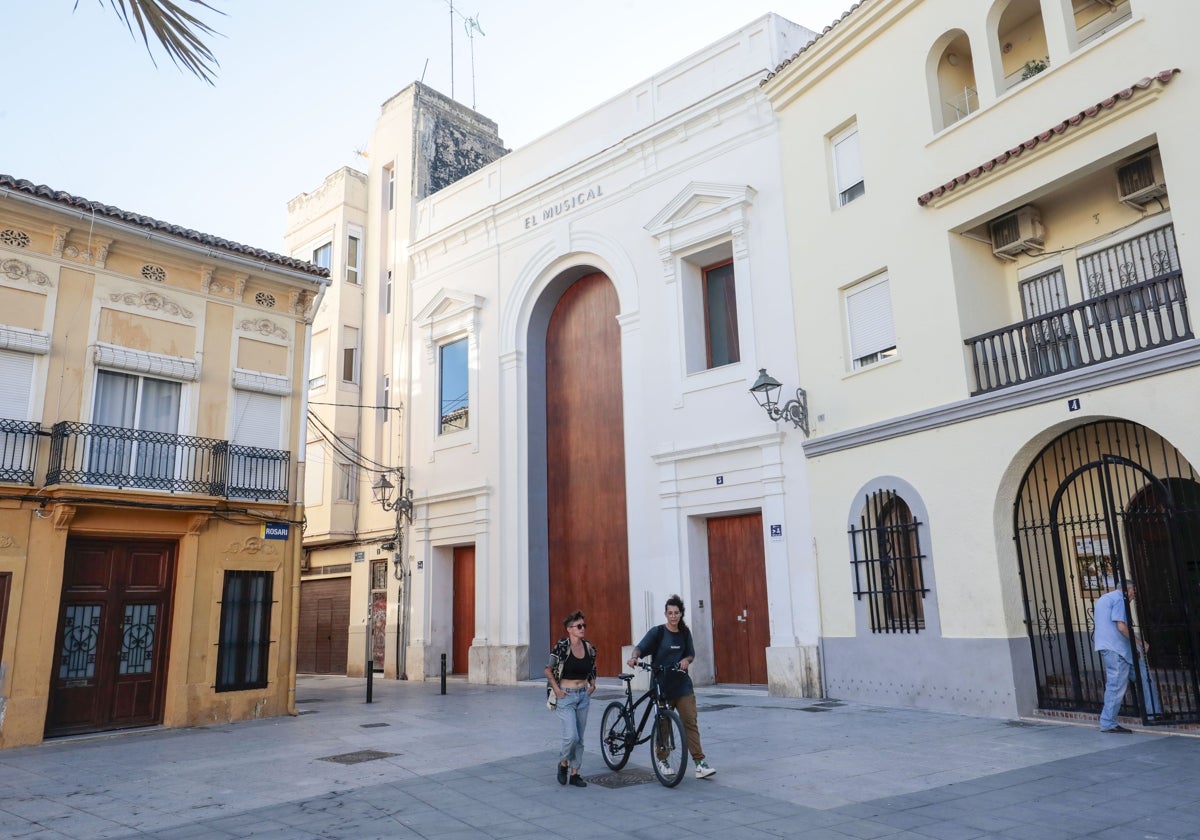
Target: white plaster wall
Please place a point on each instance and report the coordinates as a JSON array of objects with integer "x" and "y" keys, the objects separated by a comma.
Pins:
[{"x": 494, "y": 251}]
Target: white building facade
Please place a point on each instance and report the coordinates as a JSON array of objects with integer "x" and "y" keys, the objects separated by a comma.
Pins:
[{"x": 605, "y": 295}]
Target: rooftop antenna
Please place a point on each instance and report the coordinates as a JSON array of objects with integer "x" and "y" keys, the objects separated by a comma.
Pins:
[
  {"x": 450, "y": 3},
  {"x": 471, "y": 25}
]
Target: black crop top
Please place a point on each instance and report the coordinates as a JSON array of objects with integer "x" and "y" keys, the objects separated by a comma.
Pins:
[{"x": 576, "y": 669}]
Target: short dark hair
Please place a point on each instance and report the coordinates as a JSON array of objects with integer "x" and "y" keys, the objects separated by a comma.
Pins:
[{"x": 573, "y": 617}]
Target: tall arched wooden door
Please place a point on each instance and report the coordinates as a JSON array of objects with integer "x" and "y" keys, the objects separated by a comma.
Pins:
[{"x": 585, "y": 467}]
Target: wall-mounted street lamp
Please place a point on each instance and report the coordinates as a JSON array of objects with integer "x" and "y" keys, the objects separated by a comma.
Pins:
[
  {"x": 766, "y": 392},
  {"x": 382, "y": 490}
]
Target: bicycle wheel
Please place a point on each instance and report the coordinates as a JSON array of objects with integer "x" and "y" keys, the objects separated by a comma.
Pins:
[
  {"x": 668, "y": 744},
  {"x": 616, "y": 736}
]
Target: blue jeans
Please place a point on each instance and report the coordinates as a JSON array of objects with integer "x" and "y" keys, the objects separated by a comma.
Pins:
[
  {"x": 572, "y": 714},
  {"x": 1116, "y": 681}
]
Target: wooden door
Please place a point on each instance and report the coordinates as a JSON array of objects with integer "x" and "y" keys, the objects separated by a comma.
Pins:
[
  {"x": 113, "y": 634},
  {"x": 324, "y": 633},
  {"x": 738, "y": 577},
  {"x": 585, "y": 468},
  {"x": 464, "y": 609}
]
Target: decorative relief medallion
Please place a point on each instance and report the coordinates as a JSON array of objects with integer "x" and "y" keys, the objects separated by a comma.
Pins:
[
  {"x": 151, "y": 300},
  {"x": 17, "y": 270},
  {"x": 95, "y": 254},
  {"x": 252, "y": 545},
  {"x": 14, "y": 238},
  {"x": 6, "y": 541},
  {"x": 263, "y": 326},
  {"x": 154, "y": 272},
  {"x": 265, "y": 299}
]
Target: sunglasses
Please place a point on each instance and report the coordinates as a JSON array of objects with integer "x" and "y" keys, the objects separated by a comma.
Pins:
[{"x": 578, "y": 626}]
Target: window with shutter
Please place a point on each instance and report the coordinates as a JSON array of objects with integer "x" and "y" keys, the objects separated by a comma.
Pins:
[
  {"x": 16, "y": 383},
  {"x": 847, "y": 165},
  {"x": 871, "y": 333}
]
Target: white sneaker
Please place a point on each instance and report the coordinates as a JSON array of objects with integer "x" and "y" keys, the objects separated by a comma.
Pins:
[
  {"x": 703, "y": 771},
  {"x": 665, "y": 768}
]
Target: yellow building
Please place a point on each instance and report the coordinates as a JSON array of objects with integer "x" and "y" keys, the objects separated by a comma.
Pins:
[
  {"x": 153, "y": 382},
  {"x": 991, "y": 211}
]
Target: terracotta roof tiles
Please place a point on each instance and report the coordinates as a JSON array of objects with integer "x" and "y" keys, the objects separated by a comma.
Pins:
[
  {"x": 798, "y": 52},
  {"x": 40, "y": 191},
  {"x": 1162, "y": 77}
]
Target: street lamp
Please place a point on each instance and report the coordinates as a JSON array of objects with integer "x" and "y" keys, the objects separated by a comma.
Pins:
[
  {"x": 381, "y": 490},
  {"x": 766, "y": 393}
]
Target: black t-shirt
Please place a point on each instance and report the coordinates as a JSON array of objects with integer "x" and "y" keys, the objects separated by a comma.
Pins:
[{"x": 667, "y": 648}]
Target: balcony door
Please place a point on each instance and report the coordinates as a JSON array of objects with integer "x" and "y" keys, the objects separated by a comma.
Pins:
[{"x": 142, "y": 415}]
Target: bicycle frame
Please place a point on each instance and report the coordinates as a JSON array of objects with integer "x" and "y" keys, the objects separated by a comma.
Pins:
[{"x": 653, "y": 698}]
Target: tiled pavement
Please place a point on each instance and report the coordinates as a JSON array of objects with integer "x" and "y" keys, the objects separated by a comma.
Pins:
[{"x": 479, "y": 761}]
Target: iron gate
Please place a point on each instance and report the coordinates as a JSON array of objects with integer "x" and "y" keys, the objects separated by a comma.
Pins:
[{"x": 1102, "y": 503}]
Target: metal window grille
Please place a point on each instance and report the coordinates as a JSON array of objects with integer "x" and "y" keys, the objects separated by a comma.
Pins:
[
  {"x": 243, "y": 649},
  {"x": 887, "y": 564}
]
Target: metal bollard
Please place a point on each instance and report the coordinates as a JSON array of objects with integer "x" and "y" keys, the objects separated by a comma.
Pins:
[
  {"x": 443, "y": 673},
  {"x": 370, "y": 667}
]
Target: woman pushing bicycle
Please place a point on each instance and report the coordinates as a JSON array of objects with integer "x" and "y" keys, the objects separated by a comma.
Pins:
[
  {"x": 572, "y": 675},
  {"x": 669, "y": 645}
]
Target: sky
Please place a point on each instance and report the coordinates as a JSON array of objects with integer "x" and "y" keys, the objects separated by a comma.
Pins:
[{"x": 300, "y": 85}]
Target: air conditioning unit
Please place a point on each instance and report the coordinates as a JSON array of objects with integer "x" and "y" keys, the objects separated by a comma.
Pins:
[
  {"x": 1141, "y": 180},
  {"x": 1019, "y": 232}
]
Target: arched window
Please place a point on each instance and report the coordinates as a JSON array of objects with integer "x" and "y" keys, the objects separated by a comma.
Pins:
[
  {"x": 953, "y": 75},
  {"x": 887, "y": 564},
  {"x": 1021, "y": 40}
]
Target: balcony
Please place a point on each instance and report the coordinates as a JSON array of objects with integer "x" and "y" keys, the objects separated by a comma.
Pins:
[
  {"x": 1133, "y": 319},
  {"x": 18, "y": 450},
  {"x": 110, "y": 456}
]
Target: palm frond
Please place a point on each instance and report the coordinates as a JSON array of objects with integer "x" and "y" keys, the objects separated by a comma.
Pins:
[{"x": 179, "y": 32}]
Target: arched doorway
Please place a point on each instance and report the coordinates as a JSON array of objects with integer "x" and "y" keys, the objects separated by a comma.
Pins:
[
  {"x": 1104, "y": 502},
  {"x": 587, "y": 544}
]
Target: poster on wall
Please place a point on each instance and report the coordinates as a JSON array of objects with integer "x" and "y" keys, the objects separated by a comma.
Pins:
[{"x": 1095, "y": 566}]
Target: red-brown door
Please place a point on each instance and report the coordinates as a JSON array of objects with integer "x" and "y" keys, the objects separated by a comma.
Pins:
[
  {"x": 464, "y": 608},
  {"x": 738, "y": 576},
  {"x": 585, "y": 468},
  {"x": 111, "y": 649},
  {"x": 324, "y": 639}
]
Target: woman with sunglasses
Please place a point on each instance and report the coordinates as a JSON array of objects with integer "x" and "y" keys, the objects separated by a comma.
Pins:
[{"x": 572, "y": 675}]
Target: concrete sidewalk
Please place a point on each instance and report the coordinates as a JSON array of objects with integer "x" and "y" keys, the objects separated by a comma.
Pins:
[{"x": 479, "y": 762}]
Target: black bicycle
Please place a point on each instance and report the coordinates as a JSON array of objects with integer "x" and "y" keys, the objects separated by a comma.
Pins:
[{"x": 619, "y": 734}]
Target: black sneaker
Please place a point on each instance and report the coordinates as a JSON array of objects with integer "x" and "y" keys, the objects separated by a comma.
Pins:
[
  {"x": 1121, "y": 730},
  {"x": 562, "y": 774},
  {"x": 577, "y": 781}
]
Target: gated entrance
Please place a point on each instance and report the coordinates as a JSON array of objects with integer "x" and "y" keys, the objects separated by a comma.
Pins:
[{"x": 1102, "y": 503}]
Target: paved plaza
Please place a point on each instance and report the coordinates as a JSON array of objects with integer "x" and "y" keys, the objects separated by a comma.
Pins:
[{"x": 478, "y": 762}]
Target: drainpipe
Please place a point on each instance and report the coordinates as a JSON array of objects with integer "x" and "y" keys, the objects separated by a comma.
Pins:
[{"x": 298, "y": 505}]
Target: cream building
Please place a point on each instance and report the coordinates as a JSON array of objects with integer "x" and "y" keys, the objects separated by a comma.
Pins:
[
  {"x": 990, "y": 208},
  {"x": 572, "y": 331},
  {"x": 149, "y": 466}
]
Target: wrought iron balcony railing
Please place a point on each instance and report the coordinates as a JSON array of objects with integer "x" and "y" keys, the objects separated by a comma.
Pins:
[
  {"x": 18, "y": 450},
  {"x": 1130, "y": 320},
  {"x": 111, "y": 456}
]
